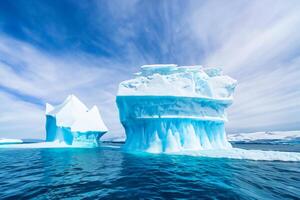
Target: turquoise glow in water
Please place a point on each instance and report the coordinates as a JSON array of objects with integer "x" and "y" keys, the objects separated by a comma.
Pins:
[{"x": 109, "y": 173}]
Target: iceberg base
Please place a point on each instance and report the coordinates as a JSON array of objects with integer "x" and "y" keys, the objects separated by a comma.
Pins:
[
  {"x": 74, "y": 138},
  {"x": 174, "y": 135}
]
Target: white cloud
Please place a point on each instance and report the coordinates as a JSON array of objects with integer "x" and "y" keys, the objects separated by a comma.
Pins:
[
  {"x": 255, "y": 41},
  {"x": 19, "y": 119},
  {"x": 50, "y": 79}
]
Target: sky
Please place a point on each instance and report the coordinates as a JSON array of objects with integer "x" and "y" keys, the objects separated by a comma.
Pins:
[{"x": 52, "y": 48}]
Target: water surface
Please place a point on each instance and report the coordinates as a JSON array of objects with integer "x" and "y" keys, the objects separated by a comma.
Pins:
[{"x": 110, "y": 173}]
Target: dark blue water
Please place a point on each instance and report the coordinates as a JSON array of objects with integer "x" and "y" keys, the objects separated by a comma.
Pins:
[{"x": 109, "y": 173}]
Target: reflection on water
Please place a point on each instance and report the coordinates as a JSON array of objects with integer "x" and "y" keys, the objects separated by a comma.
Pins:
[{"x": 113, "y": 174}]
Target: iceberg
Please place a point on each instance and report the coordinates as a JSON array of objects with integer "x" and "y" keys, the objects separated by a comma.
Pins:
[
  {"x": 10, "y": 141},
  {"x": 266, "y": 137},
  {"x": 73, "y": 123},
  {"x": 170, "y": 108}
]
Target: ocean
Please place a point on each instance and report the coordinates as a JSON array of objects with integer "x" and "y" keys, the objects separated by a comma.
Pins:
[{"x": 108, "y": 172}]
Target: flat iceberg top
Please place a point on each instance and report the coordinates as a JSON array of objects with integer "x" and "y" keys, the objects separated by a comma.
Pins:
[
  {"x": 158, "y": 66},
  {"x": 72, "y": 113},
  {"x": 173, "y": 80}
]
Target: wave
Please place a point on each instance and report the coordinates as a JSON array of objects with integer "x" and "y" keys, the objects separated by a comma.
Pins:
[{"x": 234, "y": 153}]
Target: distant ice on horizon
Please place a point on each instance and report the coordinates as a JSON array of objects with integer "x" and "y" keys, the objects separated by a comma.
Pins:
[
  {"x": 10, "y": 141},
  {"x": 265, "y": 136},
  {"x": 244, "y": 137}
]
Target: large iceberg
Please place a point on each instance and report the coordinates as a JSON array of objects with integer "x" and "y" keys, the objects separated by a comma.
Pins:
[
  {"x": 73, "y": 123},
  {"x": 170, "y": 108}
]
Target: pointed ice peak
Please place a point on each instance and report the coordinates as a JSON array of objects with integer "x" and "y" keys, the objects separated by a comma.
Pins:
[
  {"x": 49, "y": 108},
  {"x": 72, "y": 99},
  {"x": 89, "y": 121},
  {"x": 67, "y": 112},
  {"x": 71, "y": 104},
  {"x": 94, "y": 109},
  {"x": 72, "y": 113}
]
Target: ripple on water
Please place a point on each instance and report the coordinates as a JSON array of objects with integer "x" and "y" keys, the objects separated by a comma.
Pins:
[{"x": 113, "y": 174}]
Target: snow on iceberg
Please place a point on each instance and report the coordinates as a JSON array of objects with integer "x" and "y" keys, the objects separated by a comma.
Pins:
[
  {"x": 168, "y": 108},
  {"x": 73, "y": 123}
]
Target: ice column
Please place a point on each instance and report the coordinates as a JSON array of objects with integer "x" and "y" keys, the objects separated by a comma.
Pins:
[{"x": 167, "y": 108}]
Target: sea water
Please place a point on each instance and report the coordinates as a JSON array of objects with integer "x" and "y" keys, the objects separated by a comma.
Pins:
[{"x": 109, "y": 172}]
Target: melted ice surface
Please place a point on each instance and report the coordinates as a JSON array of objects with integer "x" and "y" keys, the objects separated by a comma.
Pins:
[{"x": 173, "y": 80}]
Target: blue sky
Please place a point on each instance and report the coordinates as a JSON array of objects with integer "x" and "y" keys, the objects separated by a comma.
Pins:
[{"x": 49, "y": 49}]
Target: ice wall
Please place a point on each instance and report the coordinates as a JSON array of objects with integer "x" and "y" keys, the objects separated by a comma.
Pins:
[
  {"x": 167, "y": 108},
  {"x": 73, "y": 123}
]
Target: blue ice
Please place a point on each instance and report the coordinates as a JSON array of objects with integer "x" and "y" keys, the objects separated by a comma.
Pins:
[
  {"x": 74, "y": 124},
  {"x": 168, "y": 108}
]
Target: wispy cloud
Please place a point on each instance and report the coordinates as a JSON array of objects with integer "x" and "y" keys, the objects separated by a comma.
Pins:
[
  {"x": 20, "y": 119},
  {"x": 50, "y": 79},
  {"x": 256, "y": 42}
]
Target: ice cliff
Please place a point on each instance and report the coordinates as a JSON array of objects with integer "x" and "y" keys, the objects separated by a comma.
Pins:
[
  {"x": 169, "y": 108},
  {"x": 73, "y": 123}
]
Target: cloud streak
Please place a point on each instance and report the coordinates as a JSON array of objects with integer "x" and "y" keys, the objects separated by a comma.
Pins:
[
  {"x": 256, "y": 42},
  {"x": 51, "y": 79},
  {"x": 257, "y": 45}
]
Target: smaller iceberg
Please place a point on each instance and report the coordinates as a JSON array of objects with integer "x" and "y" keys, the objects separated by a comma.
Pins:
[{"x": 73, "y": 123}]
